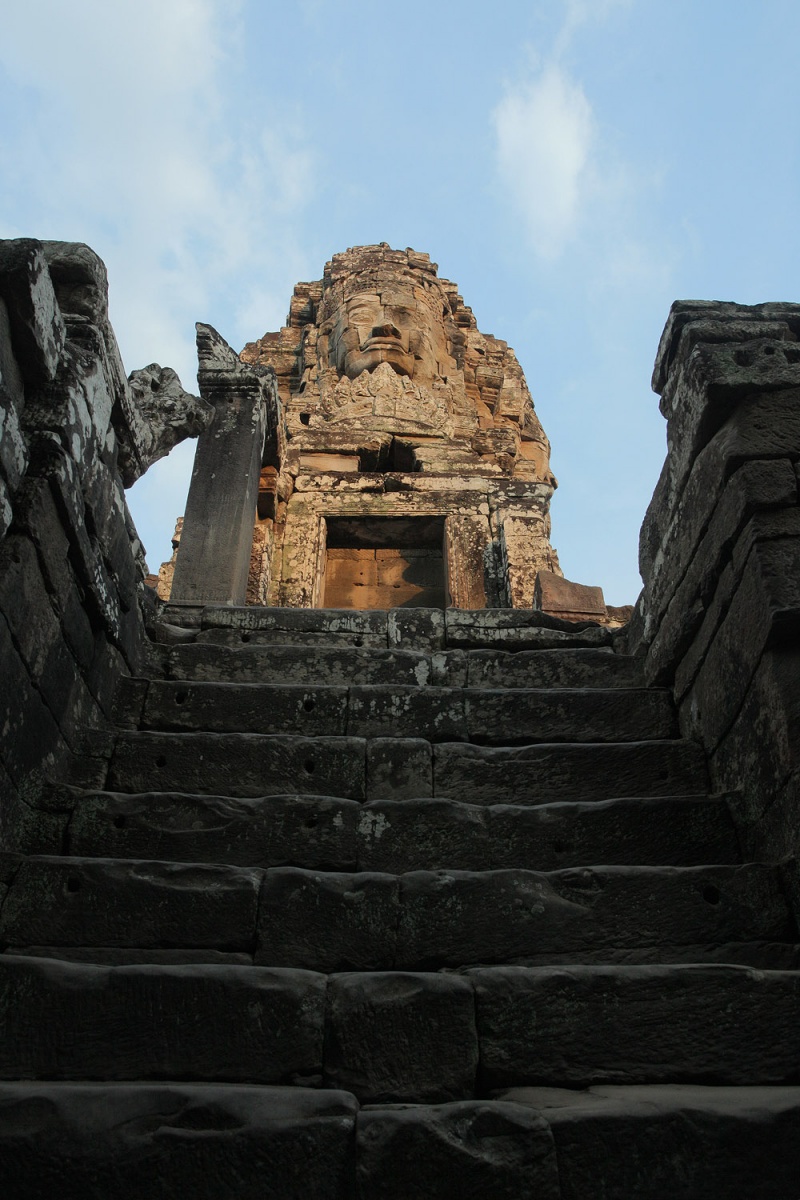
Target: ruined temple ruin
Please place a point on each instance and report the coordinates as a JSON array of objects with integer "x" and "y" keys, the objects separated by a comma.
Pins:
[
  {"x": 400, "y": 459},
  {"x": 379, "y": 861}
]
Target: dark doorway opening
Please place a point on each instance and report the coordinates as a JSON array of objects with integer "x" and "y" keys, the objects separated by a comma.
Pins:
[{"x": 385, "y": 562}]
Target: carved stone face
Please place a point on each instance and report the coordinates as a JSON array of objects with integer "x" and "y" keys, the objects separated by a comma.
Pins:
[{"x": 400, "y": 327}]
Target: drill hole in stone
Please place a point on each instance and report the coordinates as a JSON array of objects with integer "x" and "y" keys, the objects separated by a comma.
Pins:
[
  {"x": 560, "y": 847},
  {"x": 309, "y": 766},
  {"x": 180, "y": 697},
  {"x": 73, "y": 884},
  {"x": 711, "y": 894},
  {"x": 358, "y": 641},
  {"x": 311, "y": 822},
  {"x": 245, "y": 637},
  {"x": 161, "y": 761},
  {"x": 309, "y": 703},
  {"x": 119, "y": 822}
]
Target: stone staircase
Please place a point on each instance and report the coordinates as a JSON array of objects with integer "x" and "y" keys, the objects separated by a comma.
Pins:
[{"x": 406, "y": 904}]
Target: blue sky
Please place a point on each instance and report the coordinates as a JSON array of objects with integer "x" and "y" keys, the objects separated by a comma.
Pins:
[{"x": 574, "y": 165}]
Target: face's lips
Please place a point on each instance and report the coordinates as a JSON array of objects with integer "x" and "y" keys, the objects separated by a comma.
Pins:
[{"x": 383, "y": 343}]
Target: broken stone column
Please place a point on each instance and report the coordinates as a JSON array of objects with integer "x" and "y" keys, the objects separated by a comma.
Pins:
[{"x": 214, "y": 559}]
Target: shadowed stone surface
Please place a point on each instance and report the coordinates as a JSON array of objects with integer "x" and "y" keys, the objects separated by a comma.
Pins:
[
  {"x": 575, "y": 1026},
  {"x": 226, "y": 1023},
  {"x": 542, "y": 774},
  {"x": 400, "y": 1036},
  {"x": 168, "y": 1141},
  {"x": 672, "y": 1140},
  {"x": 261, "y": 831},
  {"x": 238, "y": 764},
  {"x": 472, "y": 1149},
  {"x": 328, "y": 922},
  {"x": 112, "y": 902}
]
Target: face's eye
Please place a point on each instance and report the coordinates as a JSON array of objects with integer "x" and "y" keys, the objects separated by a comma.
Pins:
[{"x": 362, "y": 312}]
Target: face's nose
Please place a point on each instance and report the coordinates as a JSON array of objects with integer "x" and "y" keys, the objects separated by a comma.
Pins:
[{"x": 385, "y": 330}]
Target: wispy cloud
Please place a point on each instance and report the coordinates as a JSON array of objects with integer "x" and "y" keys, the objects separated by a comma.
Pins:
[
  {"x": 123, "y": 125},
  {"x": 130, "y": 131},
  {"x": 548, "y": 142},
  {"x": 544, "y": 131}
]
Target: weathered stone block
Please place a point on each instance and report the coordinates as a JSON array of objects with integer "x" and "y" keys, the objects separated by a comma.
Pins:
[
  {"x": 547, "y": 773},
  {"x": 397, "y": 768},
  {"x": 403, "y": 835},
  {"x": 397, "y": 1036},
  {"x": 671, "y": 1139},
  {"x": 518, "y": 629},
  {"x": 577, "y": 1026},
  {"x": 13, "y": 447},
  {"x": 33, "y": 742},
  {"x": 301, "y": 626},
  {"x": 37, "y": 327},
  {"x": 681, "y": 831},
  {"x": 227, "y": 1023},
  {"x": 450, "y": 918},
  {"x": 769, "y": 592},
  {"x": 471, "y": 1149},
  {"x": 327, "y": 922},
  {"x": 564, "y": 668},
  {"x": 111, "y": 902},
  {"x": 170, "y": 1140},
  {"x": 247, "y": 708},
  {"x": 236, "y": 662},
  {"x": 768, "y": 717},
  {"x": 265, "y": 831},
  {"x": 419, "y": 628},
  {"x": 436, "y": 714},
  {"x": 696, "y": 545},
  {"x": 524, "y": 715},
  {"x": 238, "y": 764}
]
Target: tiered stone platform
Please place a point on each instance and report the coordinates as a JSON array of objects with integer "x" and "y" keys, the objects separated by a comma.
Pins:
[{"x": 405, "y": 904}]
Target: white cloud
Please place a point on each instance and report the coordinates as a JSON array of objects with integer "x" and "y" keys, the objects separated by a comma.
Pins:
[
  {"x": 544, "y": 130},
  {"x": 131, "y": 131},
  {"x": 125, "y": 135}
]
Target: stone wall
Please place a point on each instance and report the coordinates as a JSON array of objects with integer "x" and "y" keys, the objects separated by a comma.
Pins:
[
  {"x": 73, "y": 432},
  {"x": 719, "y": 617}
]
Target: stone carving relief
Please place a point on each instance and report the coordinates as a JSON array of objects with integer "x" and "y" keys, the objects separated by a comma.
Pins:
[{"x": 395, "y": 405}]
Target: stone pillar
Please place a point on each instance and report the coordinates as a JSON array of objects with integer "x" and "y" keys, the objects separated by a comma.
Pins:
[
  {"x": 719, "y": 617},
  {"x": 214, "y": 560}
]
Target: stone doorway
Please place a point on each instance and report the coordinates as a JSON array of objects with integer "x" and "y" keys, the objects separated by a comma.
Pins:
[{"x": 385, "y": 562}]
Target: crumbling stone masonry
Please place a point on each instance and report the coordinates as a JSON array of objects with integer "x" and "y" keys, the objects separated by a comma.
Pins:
[
  {"x": 418, "y": 900},
  {"x": 401, "y": 460}
]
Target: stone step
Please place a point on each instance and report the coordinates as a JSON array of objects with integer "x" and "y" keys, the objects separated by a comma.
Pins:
[
  {"x": 399, "y": 1036},
  {"x": 168, "y": 1140},
  {"x": 345, "y": 666},
  {"x": 163, "y": 1140},
  {"x": 548, "y": 772},
  {"x": 497, "y": 716},
  {"x": 334, "y": 665},
  {"x": 418, "y": 628},
  {"x": 668, "y": 1140},
  {"x": 767, "y": 956},
  {"x": 423, "y": 920},
  {"x": 241, "y": 764},
  {"x": 325, "y": 833},
  {"x": 552, "y": 669},
  {"x": 577, "y": 1026},
  {"x": 431, "y": 920}
]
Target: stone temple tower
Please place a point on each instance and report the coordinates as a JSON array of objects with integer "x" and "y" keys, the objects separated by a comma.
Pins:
[{"x": 379, "y": 451}]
